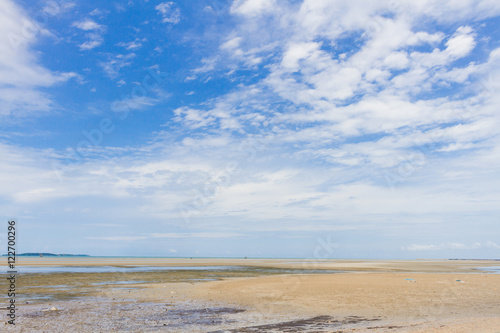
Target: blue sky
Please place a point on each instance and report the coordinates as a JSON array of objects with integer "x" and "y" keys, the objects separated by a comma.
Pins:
[{"x": 261, "y": 128}]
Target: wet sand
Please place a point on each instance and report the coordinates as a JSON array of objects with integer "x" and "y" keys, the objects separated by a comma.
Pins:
[{"x": 262, "y": 296}]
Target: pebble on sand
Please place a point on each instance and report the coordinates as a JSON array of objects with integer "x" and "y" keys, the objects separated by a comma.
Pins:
[{"x": 52, "y": 309}]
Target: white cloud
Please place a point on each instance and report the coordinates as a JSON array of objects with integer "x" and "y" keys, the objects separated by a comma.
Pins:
[
  {"x": 119, "y": 238},
  {"x": 396, "y": 60},
  {"x": 169, "y": 13},
  {"x": 96, "y": 12},
  {"x": 20, "y": 101},
  {"x": 94, "y": 41},
  {"x": 449, "y": 246},
  {"x": 417, "y": 247},
  {"x": 197, "y": 235},
  {"x": 193, "y": 118},
  {"x": 53, "y": 7},
  {"x": 87, "y": 24},
  {"x": 169, "y": 235},
  {"x": 93, "y": 33},
  {"x": 492, "y": 245},
  {"x": 381, "y": 132},
  {"x": 461, "y": 43},
  {"x": 134, "y": 45},
  {"x": 133, "y": 103},
  {"x": 208, "y": 64},
  {"x": 252, "y": 7},
  {"x": 116, "y": 62},
  {"x": 21, "y": 75},
  {"x": 232, "y": 43},
  {"x": 297, "y": 52}
]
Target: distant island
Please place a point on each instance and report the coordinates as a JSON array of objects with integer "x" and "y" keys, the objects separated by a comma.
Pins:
[
  {"x": 43, "y": 254},
  {"x": 477, "y": 259}
]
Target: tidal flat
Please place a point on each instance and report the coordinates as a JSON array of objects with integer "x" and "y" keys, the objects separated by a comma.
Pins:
[
  {"x": 217, "y": 295},
  {"x": 64, "y": 285}
]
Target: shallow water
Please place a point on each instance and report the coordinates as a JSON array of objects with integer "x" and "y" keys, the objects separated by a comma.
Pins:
[
  {"x": 117, "y": 282},
  {"x": 492, "y": 269},
  {"x": 108, "y": 269},
  {"x": 127, "y": 269}
]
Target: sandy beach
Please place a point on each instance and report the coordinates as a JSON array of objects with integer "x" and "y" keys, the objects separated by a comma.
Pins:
[
  {"x": 261, "y": 295},
  {"x": 429, "y": 300}
]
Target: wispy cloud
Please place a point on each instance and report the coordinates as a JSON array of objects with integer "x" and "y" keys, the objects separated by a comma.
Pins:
[
  {"x": 450, "y": 246},
  {"x": 116, "y": 62},
  {"x": 169, "y": 12},
  {"x": 53, "y": 7},
  {"x": 170, "y": 235},
  {"x": 134, "y": 45},
  {"x": 198, "y": 235},
  {"x": 133, "y": 103},
  {"x": 21, "y": 74},
  {"x": 208, "y": 64},
  {"x": 119, "y": 238}
]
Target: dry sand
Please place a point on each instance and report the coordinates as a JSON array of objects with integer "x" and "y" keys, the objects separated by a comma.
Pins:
[{"x": 370, "y": 296}]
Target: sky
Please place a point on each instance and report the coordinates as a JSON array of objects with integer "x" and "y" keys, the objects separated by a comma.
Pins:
[{"x": 260, "y": 128}]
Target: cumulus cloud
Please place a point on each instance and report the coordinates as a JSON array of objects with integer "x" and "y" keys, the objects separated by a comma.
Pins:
[
  {"x": 94, "y": 41},
  {"x": 93, "y": 33},
  {"x": 461, "y": 43},
  {"x": 87, "y": 24},
  {"x": 382, "y": 73},
  {"x": 365, "y": 109}
]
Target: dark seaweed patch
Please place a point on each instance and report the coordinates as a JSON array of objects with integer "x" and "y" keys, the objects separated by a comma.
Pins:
[{"x": 315, "y": 324}]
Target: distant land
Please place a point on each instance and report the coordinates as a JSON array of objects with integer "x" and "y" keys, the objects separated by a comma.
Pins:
[
  {"x": 478, "y": 259},
  {"x": 38, "y": 254}
]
